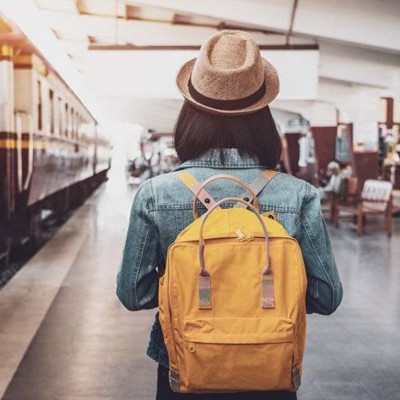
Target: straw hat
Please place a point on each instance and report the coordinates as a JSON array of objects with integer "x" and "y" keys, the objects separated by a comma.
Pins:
[{"x": 229, "y": 76}]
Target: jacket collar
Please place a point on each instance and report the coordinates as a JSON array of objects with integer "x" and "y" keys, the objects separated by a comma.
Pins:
[{"x": 231, "y": 157}]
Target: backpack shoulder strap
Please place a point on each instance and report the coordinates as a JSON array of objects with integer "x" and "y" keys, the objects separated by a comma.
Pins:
[
  {"x": 258, "y": 185},
  {"x": 190, "y": 181}
]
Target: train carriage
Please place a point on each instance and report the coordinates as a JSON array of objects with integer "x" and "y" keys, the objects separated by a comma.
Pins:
[{"x": 51, "y": 154}]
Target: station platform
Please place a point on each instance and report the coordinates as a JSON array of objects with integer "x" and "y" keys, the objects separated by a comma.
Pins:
[{"x": 65, "y": 336}]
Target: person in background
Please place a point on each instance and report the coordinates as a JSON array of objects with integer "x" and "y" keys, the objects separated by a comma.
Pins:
[
  {"x": 333, "y": 182},
  {"x": 224, "y": 127}
]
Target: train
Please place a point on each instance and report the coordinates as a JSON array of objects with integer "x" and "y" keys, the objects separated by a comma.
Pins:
[{"x": 52, "y": 155}]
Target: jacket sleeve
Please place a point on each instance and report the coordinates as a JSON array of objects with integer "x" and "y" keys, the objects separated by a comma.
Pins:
[
  {"x": 324, "y": 289},
  {"x": 137, "y": 279}
]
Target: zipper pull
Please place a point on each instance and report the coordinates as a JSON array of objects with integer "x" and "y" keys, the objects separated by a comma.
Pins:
[
  {"x": 241, "y": 236},
  {"x": 249, "y": 238}
]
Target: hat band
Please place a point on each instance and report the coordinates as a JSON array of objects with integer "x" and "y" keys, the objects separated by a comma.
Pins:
[{"x": 227, "y": 104}]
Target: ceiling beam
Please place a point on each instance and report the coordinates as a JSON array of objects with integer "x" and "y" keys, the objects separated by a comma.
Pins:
[
  {"x": 78, "y": 6},
  {"x": 290, "y": 30},
  {"x": 139, "y": 32},
  {"x": 132, "y": 47},
  {"x": 359, "y": 65},
  {"x": 181, "y": 19}
]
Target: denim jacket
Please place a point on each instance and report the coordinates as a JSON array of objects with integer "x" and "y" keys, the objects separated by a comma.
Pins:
[{"x": 163, "y": 207}]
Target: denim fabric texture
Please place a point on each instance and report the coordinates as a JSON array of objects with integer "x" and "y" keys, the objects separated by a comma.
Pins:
[{"x": 163, "y": 207}]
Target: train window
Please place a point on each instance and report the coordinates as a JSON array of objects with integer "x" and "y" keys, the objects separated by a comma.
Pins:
[
  {"x": 66, "y": 120},
  {"x": 39, "y": 106},
  {"x": 72, "y": 123},
  {"x": 78, "y": 125},
  {"x": 51, "y": 108},
  {"x": 60, "y": 112}
]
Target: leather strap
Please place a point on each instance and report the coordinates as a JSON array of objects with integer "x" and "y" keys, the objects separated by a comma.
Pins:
[
  {"x": 208, "y": 201},
  {"x": 190, "y": 181},
  {"x": 258, "y": 185},
  {"x": 223, "y": 177}
]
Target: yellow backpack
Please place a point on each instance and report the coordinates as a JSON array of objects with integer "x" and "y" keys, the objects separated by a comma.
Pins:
[{"x": 232, "y": 300}]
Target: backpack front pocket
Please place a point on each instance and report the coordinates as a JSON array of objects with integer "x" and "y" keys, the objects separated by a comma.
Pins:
[{"x": 238, "y": 354}]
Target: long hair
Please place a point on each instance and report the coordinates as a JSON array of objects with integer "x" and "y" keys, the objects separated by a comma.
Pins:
[{"x": 255, "y": 134}]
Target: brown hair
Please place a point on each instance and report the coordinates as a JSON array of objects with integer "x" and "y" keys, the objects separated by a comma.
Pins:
[{"x": 254, "y": 134}]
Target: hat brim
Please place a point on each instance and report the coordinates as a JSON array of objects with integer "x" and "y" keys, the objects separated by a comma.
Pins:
[{"x": 271, "y": 81}]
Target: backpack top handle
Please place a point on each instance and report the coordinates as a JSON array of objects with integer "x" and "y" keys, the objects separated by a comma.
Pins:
[
  {"x": 267, "y": 279},
  {"x": 223, "y": 177}
]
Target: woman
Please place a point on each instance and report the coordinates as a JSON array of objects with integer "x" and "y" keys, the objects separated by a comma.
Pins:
[{"x": 225, "y": 126}]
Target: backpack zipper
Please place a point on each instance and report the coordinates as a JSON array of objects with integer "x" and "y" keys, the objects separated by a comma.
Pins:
[{"x": 243, "y": 236}]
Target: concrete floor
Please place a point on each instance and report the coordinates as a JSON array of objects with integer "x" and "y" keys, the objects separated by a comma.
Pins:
[{"x": 72, "y": 340}]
